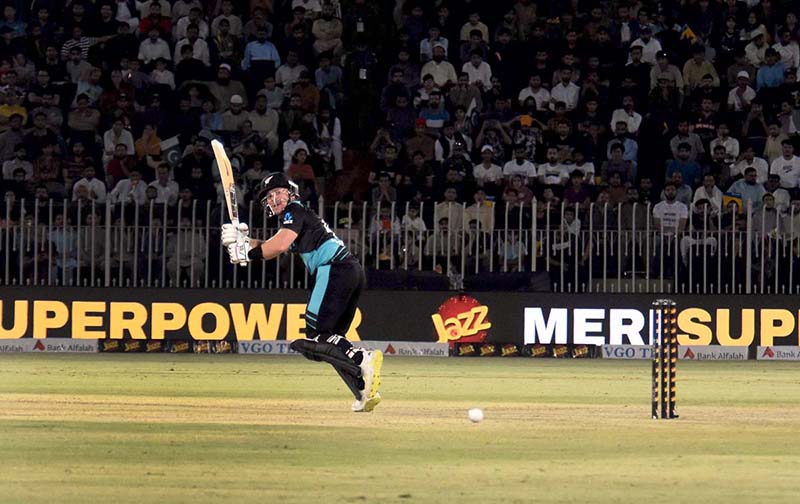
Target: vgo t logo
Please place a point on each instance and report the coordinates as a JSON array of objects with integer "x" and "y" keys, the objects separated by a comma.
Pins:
[{"x": 461, "y": 318}]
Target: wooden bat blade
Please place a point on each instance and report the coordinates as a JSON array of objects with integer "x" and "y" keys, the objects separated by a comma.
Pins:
[{"x": 226, "y": 177}]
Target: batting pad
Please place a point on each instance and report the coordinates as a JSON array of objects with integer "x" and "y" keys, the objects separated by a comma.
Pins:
[{"x": 333, "y": 355}]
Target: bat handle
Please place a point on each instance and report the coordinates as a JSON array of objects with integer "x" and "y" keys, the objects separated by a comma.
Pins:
[{"x": 235, "y": 223}]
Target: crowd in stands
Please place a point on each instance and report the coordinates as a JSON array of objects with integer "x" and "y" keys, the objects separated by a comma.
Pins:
[{"x": 691, "y": 107}]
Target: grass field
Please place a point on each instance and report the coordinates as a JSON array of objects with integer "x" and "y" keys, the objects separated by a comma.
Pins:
[{"x": 240, "y": 429}]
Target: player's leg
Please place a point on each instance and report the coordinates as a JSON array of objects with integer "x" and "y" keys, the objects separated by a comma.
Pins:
[
  {"x": 371, "y": 361},
  {"x": 333, "y": 288},
  {"x": 328, "y": 300}
]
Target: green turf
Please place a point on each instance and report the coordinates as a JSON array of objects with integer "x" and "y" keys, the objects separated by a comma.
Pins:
[{"x": 240, "y": 429}]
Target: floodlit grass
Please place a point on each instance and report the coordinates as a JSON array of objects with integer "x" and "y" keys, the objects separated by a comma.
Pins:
[{"x": 239, "y": 429}]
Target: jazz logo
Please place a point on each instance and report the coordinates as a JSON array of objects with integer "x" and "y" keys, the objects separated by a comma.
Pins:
[{"x": 461, "y": 318}]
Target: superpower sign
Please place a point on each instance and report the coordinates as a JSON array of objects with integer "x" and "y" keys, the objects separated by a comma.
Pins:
[{"x": 493, "y": 317}]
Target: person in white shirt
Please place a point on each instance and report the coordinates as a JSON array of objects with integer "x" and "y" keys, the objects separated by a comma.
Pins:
[
  {"x": 289, "y": 73},
  {"x": 670, "y": 214},
  {"x": 412, "y": 222},
  {"x": 788, "y": 49},
  {"x": 553, "y": 172},
  {"x": 19, "y": 161},
  {"x": 787, "y": 167},
  {"x": 167, "y": 189},
  {"x": 199, "y": 46},
  {"x": 739, "y": 98},
  {"x": 195, "y": 17},
  {"x": 519, "y": 166},
  {"x": 94, "y": 188},
  {"x": 129, "y": 190},
  {"x": 565, "y": 91},
  {"x": 782, "y": 197},
  {"x": 161, "y": 75},
  {"x": 441, "y": 70},
  {"x": 724, "y": 139},
  {"x": 710, "y": 192},
  {"x": 748, "y": 160},
  {"x": 480, "y": 73},
  {"x": 487, "y": 172},
  {"x": 291, "y": 146},
  {"x": 537, "y": 92},
  {"x": 756, "y": 49},
  {"x": 628, "y": 115},
  {"x": 234, "y": 21},
  {"x": 650, "y": 46},
  {"x": 154, "y": 47},
  {"x": 115, "y": 136}
]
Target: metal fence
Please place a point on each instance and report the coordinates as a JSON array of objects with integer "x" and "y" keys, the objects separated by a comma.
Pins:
[{"x": 595, "y": 249}]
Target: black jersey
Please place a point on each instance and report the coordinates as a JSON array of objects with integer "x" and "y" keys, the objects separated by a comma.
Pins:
[{"x": 316, "y": 243}]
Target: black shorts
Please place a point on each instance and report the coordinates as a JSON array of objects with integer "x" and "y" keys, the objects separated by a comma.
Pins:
[{"x": 334, "y": 298}]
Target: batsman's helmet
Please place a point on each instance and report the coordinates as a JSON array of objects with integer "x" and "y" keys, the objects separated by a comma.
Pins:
[{"x": 275, "y": 181}]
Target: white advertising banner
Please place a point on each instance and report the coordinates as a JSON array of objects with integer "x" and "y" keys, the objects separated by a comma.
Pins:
[
  {"x": 389, "y": 348},
  {"x": 49, "y": 345},
  {"x": 685, "y": 352},
  {"x": 784, "y": 353}
]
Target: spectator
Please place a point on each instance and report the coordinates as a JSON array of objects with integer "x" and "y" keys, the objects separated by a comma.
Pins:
[
  {"x": 478, "y": 71},
  {"x": 167, "y": 190},
  {"x": 787, "y": 167},
  {"x": 260, "y": 50},
  {"x": 129, "y": 190},
  {"x": 195, "y": 18},
  {"x": 553, "y": 172},
  {"x": 439, "y": 68},
  {"x": 20, "y": 161},
  {"x": 724, "y": 139},
  {"x": 748, "y": 189},
  {"x": 92, "y": 188},
  {"x": 537, "y": 92},
  {"x": 690, "y": 170},
  {"x": 291, "y": 145},
  {"x": 755, "y": 51},
  {"x": 650, "y": 46},
  {"x": 787, "y": 49},
  {"x": 740, "y": 97},
  {"x": 474, "y": 23},
  {"x": 670, "y": 214},
  {"x": 709, "y": 192},
  {"x": 697, "y": 67},
  {"x": 185, "y": 253},
  {"x": 630, "y": 148},
  {"x": 327, "y": 31},
  {"x": 684, "y": 135},
  {"x": 450, "y": 209},
  {"x": 198, "y": 44},
  {"x": 770, "y": 75},
  {"x": 773, "y": 187},
  {"x": 748, "y": 160},
  {"x": 565, "y": 91},
  {"x": 233, "y": 21},
  {"x": 384, "y": 192},
  {"x": 628, "y": 115},
  {"x": 289, "y": 73},
  {"x": 153, "y": 47},
  {"x": 683, "y": 192}
]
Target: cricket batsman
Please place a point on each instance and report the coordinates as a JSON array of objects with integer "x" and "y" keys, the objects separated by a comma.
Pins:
[{"x": 339, "y": 280}]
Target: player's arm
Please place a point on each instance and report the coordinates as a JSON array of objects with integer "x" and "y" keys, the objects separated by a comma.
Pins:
[{"x": 273, "y": 247}]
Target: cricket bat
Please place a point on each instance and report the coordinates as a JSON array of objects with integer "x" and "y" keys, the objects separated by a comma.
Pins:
[{"x": 226, "y": 176}]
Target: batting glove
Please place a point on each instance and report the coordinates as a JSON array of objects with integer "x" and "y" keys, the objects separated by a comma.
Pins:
[
  {"x": 238, "y": 251},
  {"x": 231, "y": 234}
]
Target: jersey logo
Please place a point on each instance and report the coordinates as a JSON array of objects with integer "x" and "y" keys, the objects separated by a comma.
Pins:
[{"x": 287, "y": 218}]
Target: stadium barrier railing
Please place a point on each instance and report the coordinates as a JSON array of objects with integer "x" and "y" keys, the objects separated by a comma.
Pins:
[{"x": 568, "y": 248}]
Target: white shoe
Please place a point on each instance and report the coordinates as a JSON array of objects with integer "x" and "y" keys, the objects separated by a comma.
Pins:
[
  {"x": 371, "y": 372},
  {"x": 367, "y": 405}
]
